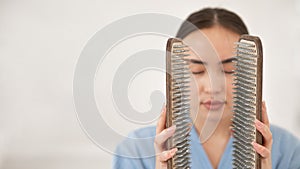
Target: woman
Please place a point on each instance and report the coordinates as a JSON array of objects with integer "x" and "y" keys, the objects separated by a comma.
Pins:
[{"x": 280, "y": 150}]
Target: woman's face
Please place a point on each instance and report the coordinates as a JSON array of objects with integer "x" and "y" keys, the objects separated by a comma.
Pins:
[{"x": 211, "y": 56}]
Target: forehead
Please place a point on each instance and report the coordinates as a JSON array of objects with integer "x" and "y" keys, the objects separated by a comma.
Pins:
[{"x": 216, "y": 43}]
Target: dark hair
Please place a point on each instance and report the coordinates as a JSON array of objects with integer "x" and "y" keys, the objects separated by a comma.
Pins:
[{"x": 209, "y": 17}]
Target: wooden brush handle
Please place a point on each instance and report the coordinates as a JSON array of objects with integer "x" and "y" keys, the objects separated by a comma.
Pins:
[{"x": 169, "y": 122}]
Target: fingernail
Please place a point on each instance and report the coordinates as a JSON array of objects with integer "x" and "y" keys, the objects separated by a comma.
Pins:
[
  {"x": 171, "y": 128},
  {"x": 254, "y": 144},
  {"x": 163, "y": 106},
  {"x": 173, "y": 151},
  {"x": 258, "y": 123}
]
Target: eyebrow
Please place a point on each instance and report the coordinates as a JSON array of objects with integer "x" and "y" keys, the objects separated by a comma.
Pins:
[
  {"x": 229, "y": 60},
  {"x": 197, "y": 61}
]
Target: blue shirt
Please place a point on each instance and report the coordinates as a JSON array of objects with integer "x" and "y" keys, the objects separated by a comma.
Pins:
[{"x": 285, "y": 151}]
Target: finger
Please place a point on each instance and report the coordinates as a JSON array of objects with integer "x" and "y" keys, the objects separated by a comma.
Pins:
[
  {"x": 231, "y": 130},
  {"x": 190, "y": 125},
  {"x": 164, "y": 156},
  {"x": 163, "y": 164},
  {"x": 163, "y": 136},
  {"x": 265, "y": 131},
  {"x": 261, "y": 150},
  {"x": 265, "y": 118},
  {"x": 161, "y": 124}
]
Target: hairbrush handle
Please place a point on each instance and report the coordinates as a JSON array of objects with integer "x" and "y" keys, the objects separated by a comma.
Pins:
[{"x": 168, "y": 95}]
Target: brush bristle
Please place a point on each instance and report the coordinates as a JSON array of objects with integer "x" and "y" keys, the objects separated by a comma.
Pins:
[
  {"x": 179, "y": 104},
  {"x": 245, "y": 104}
]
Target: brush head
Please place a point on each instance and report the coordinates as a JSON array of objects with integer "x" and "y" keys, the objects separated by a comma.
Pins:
[
  {"x": 247, "y": 100},
  {"x": 178, "y": 102}
]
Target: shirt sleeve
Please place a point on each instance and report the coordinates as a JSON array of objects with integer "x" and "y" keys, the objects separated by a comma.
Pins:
[
  {"x": 120, "y": 162},
  {"x": 285, "y": 149},
  {"x": 295, "y": 159},
  {"x": 135, "y": 152}
]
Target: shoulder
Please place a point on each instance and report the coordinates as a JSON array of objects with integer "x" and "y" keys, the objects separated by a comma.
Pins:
[
  {"x": 281, "y": 135},
  {"x": 285, "y": 149},
  {"x": 138, "y": 143},
  {"x": 145, "y": 132},
  {"x": 136, "y": 150}
]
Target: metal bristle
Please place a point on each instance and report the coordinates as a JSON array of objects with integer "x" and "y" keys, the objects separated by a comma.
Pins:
[
  {"x": 244, "y": 101},
  {"x": 180, "y": 101}
]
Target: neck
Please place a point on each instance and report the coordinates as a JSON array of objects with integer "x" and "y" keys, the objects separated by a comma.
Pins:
[{"x": 212, "y": 129}]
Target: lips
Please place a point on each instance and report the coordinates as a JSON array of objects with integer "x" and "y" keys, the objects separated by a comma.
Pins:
[{"x": 213, "y": 104}]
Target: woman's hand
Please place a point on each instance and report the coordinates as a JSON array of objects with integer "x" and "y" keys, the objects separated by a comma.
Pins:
[
  {"x": 162, "y": 134},
  {"x": 265, "y": 149}
]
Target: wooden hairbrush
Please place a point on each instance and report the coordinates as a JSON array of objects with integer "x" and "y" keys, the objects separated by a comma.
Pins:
[
  {"x": 178, "y": 103},
  {"x": 247, "y": 102}
]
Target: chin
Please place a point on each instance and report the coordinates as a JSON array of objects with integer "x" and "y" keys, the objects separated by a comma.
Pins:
[{"x": 213, "y": 115}]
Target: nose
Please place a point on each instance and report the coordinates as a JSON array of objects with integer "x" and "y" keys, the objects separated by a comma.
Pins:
[{"x": 212, "y": 84}]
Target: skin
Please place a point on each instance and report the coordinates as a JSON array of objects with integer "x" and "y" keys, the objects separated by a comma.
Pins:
[{"x": 222, "y": 40}]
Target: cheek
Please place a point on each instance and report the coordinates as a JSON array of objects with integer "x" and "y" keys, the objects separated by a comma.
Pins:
[
  {"x": 195, "y": 95},
  {"x": 197, "y": 86},
  {"x": 229, "y": 89},
  {"x": 194, "y": 89}
]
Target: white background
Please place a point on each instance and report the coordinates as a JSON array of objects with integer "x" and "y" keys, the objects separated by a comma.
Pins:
[{"x": 41, "y": 40}]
